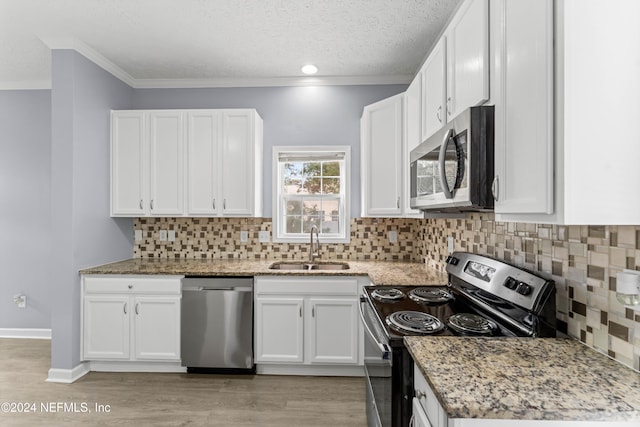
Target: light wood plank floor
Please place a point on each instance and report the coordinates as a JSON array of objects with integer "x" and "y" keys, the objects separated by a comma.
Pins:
[{"x": 173, "y": 399}]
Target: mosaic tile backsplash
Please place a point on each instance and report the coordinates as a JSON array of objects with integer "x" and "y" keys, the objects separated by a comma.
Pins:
[{"x": 583, "y": 260}]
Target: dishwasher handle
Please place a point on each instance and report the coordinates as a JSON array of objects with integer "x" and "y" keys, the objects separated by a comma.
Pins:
[{"x": 220, "y": 288}]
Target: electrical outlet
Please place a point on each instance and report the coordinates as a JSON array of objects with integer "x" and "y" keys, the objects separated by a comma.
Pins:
[
  {"x": 163, "y": 235},
  {"x": 137, "y": 235},
  {"x": 171, "y": 236},
  {"x": 263, "y": 237},
  {"x": 450, "y": 244},
  {"x": 393, "y": 236},
  {"x": 244, "y": 236}
]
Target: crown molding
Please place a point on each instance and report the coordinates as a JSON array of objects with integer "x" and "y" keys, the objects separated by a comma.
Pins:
[
  {"x": 54, "y": 43},
  {"x": 270, "y": 82}
]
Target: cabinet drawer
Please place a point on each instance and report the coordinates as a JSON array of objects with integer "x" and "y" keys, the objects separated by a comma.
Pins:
[
  {"x": 306, "y": 286},
  {"x": 165, "y": 285}
]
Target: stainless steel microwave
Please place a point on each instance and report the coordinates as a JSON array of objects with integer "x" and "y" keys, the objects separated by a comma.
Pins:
[{"x": 452, "y": 171}]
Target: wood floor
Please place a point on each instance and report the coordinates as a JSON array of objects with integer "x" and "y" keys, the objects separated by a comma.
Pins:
[{"x": 171, "y": 399}]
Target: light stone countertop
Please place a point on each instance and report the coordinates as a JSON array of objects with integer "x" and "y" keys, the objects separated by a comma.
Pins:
[
  {"x": 380, "y": 272},
  {"x": 526, "y": 378}
]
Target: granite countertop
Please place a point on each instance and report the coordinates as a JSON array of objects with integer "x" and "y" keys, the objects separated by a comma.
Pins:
[
  {"x": 526, "y": 378},
  {"x": 380, "y": 272}
]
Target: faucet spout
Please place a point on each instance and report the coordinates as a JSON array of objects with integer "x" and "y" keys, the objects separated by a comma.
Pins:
[{"x": 314, "y": 249}]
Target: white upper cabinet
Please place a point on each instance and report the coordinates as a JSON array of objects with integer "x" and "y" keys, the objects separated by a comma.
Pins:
[
  {"x": 241, "y": 163},
  {"x": 524, "y": 106},
  {"x": 166, "y": 154},
  {"x": 381, "y": 129},
  {"x": 186, "y": 162},
  {"x": 595, "y": 155},
  {"x": 129, "y": 179},
  {"x": 203, "y": 154},
  {"x": 455, "y": 75},
  {"x": 412, "y": 138},
  {"x": 434, "y": 91},
  {"x": 467, "y": 57}
]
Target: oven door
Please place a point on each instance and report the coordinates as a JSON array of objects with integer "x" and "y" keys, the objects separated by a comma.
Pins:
[{"x": 377, "y": 366}]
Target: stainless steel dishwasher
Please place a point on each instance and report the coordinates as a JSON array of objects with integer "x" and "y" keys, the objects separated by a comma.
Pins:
[{"x": 217, "y": 324}]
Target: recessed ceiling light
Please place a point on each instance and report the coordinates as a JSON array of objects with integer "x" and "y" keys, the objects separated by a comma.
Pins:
[{"x": 309, "y": 69}]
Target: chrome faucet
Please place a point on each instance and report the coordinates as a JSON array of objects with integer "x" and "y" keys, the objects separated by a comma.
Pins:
[{"x": 314, "y": 250}]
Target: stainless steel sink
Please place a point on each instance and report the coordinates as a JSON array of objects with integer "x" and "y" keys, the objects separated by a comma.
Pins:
[{"x": 308, "y": 266}]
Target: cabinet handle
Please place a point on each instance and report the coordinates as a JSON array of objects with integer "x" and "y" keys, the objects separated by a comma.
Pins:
[
  {"x": 125, "y": 308},
  {"x": 448, "y": 106},
  {"x": 438, "y": 111},
  {"x": 398, "y": 203},
  {"x": 495, "y": 188},
  {"x": 151, "y": 204},
  {"x": 214, "y": 204},
  {"x": 137, "y": 311},
  {"x": 420, "y": 394},
  {"x": 224, "y": 203},
  {"x": 313, "y": 311},
  {"x": 300, "y": 311},
  {"x": 141, "y": 204}
]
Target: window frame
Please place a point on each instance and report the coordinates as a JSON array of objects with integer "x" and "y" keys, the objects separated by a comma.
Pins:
[{"x": 278, "y": 228}]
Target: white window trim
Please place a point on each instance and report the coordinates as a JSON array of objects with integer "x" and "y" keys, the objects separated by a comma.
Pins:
[{"x": 277, "y": 238}]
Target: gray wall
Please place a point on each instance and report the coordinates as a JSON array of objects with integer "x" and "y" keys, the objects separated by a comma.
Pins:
[
  {"x": 83, "y": 233},
  {"x": 25, "y": 207},
  {"x": 319, "y": 115}
]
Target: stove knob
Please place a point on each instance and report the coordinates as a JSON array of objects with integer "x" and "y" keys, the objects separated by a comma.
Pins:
[
  {"x": 452, "y": 260},
  {"x": 523, "y": 289},
  {"x": 511, "y": 283}
]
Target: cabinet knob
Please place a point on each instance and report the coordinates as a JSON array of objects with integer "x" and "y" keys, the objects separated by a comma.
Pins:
[
  {"x": 130, "y": 286},
  {"x": 420, "y": 394}
]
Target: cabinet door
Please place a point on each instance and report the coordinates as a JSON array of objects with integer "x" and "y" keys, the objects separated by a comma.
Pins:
[
  {"x": 106, "y": 327},
  {"x": 468, "y": 57},
  {"x": 381, "y": 165},
  {"x": 166, "y": 136},
  {"x": 332, "y": 330},
  {"x": 238, "y": 167},
  {"x": 157, "y": 328},
  {"x": 279, "y": 330},
  {"x": 434, "y": 91},
  {"x": 128, "y": 164},
  {"x": 203, "y": 153},
  {"x": 412, "y": 137},
  {"x": 524, "y": 109}
]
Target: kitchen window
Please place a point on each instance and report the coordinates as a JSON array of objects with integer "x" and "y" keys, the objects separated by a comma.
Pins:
[{"x": 311, "y": 187}]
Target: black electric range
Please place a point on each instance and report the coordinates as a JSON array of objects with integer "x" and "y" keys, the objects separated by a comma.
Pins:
[{"x": 483, "y": 297}]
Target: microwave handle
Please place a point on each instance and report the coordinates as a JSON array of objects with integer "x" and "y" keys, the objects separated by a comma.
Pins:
[{"x": 441, "y": 160}]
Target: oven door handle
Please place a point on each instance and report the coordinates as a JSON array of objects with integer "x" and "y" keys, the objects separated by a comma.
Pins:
[{"x": 384, "y": 349}]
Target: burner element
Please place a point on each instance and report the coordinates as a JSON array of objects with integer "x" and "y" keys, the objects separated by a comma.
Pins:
[
  {"x": 387, "y": 295},
  {"x": 470, "y": 323},
  {"x": 414, "y": 322},
  {"x": 430, "y": 295}
]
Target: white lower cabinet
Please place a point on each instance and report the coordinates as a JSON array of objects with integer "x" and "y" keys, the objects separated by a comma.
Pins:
[
  {"x": 126, "y": 318},
  {"x": 307, "y": 322}
]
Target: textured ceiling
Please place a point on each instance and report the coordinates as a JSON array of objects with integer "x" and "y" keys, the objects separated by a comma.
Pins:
[{"x": 224, "y": 40}]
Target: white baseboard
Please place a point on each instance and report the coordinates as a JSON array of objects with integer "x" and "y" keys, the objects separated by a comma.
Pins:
[
  {"x": 118, "y": 366},
  {"x": 67, "y": 376},
  {"x": 44, "y": 334},
  {"x": 322, "y": 370}
]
